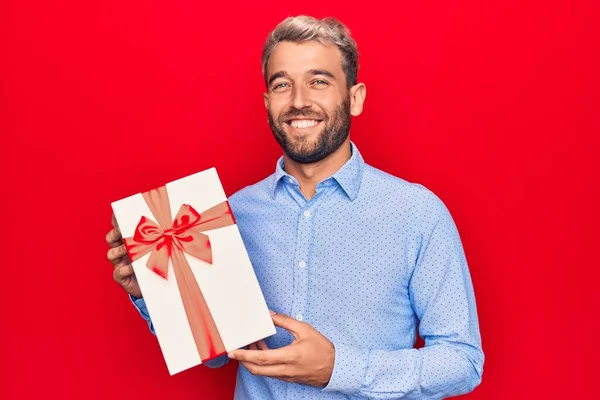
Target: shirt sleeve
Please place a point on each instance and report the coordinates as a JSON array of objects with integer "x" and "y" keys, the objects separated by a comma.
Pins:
[
  {"x": 140, "y": 305},
  {"x": 441, "y": 293}
]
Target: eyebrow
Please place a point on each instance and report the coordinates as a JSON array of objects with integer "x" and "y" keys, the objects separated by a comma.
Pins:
[
  {"x": 321, "y": 72},
  {"x": 277, "y": 75},
  {"x": 283, "y": 74}
]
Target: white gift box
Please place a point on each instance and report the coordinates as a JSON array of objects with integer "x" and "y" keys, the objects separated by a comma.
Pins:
[{"x": 229, "y": 297}]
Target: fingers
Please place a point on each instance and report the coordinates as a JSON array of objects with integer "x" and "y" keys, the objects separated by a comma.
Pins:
[
  {"x": 116, "y": 255},
  {"x": 114, "y": 238},
  {"x": 282, "y": 355},
  {"x": 125, "y": 277},
  {"x": 288, "y": 323},
  {"x": 115, "y": 224},
  {"x": 262, "y": 345},
  {"x": 275, "y": 371},
  {"x": 122, "y": 273}
]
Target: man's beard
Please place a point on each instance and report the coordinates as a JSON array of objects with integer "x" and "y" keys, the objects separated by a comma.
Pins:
[{"x": 333, "y": 134}]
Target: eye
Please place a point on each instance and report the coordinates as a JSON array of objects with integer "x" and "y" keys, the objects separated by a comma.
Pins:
[
  {"x": 279, "y": 87},
  {"x": 321, "y": 83}
]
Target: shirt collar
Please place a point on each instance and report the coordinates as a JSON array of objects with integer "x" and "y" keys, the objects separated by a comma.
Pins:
[{"x": 348, "y": 177}]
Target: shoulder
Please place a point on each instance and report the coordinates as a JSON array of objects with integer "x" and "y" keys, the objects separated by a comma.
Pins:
[
  {"x": 393, "y": 188},
  {"x": 260, "y": 191},
  {"x": 403, "y": 196}
]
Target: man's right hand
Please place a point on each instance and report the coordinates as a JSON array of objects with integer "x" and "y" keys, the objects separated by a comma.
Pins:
[{"x": 117, "y": 255}]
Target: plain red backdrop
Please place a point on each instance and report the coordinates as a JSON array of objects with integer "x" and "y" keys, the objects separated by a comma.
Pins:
[{"x": 493, "y": 105}]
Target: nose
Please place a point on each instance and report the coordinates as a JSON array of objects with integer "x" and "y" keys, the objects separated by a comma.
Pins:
[{"x": 301, "y": 97}]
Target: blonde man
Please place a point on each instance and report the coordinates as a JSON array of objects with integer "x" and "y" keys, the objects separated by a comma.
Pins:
[{"x": 351, "y": 259}]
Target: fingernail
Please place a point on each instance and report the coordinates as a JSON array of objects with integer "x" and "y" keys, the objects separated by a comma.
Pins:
[
  {"x": 272, "y": 312},
  {"x": 231, "y": 355}
]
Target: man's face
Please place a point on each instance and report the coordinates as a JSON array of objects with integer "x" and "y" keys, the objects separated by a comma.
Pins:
[{"x": 308, "y": 102}]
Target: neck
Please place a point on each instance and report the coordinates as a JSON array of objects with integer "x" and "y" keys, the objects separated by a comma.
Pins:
[{"x": 309, "y": 175}]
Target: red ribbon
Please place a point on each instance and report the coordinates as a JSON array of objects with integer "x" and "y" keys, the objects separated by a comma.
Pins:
[{"x": 170, "y": 239}]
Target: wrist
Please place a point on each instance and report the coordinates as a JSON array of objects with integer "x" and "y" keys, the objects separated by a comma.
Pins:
[
  {"x": 349, "y": 369},
  {"x": 329, "y": 364}
]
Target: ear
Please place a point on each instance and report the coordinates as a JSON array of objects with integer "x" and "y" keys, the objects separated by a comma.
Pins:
[
  {"x": 266, "y": 99},
  {"x": 358, "y": 93}
]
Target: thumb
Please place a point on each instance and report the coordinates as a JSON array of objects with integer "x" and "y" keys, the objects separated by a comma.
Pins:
[{"x": 288, "y": 323}]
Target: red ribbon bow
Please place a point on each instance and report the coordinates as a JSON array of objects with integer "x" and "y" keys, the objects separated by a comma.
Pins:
[{"x": 170, "y": 239}]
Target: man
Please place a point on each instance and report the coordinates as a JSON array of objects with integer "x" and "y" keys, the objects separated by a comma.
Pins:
[{"x": 350, "y": 259}]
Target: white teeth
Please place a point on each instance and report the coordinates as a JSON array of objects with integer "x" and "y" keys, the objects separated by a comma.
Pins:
[{"x": 303, "y": 123}]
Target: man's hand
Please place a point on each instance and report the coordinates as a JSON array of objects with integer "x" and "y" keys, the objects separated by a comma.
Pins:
[
  {"x": 308, "y": 359},
  {"x": 123, "y": 272}
]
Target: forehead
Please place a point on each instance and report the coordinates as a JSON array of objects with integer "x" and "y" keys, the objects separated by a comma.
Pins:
[{"x": 298, "y": 58}]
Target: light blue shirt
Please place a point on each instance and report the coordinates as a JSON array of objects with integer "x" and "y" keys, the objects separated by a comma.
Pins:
[{"x": 367, "y": 261}]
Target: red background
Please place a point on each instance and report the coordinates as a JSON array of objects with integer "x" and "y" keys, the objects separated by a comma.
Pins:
[{"x": 493, "y": 105}]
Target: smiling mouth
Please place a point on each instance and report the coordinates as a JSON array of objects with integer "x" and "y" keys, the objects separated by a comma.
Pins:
[{"x": 303, "y": 123}]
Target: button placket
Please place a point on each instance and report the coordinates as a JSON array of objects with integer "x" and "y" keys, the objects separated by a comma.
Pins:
[{"x": 304, "y": 229}]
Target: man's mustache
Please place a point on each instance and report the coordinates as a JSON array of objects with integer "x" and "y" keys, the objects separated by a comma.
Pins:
[{"x": 295, "y": 112}]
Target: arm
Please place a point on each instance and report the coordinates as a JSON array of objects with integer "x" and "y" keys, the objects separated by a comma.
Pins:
[{"x": 451, "y": 363}]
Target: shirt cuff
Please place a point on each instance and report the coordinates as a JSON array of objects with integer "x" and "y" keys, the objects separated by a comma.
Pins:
[
  {"x": 140, "y": 304},
  {"x": 217, "y": 362},
  {"x": 349, "y": 370}
]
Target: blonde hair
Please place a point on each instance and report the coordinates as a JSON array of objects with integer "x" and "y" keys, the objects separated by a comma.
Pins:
[{"x": 303, "y": 28}]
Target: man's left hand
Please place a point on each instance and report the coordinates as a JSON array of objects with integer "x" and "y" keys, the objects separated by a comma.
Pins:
[{"x": 308, "y": 359}]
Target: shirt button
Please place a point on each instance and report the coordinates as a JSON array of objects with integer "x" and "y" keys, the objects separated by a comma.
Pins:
[
  {"x": 299, "y": 317},
  {"x": 302, "y": 264},
  {"x": 307, "y": 213}
]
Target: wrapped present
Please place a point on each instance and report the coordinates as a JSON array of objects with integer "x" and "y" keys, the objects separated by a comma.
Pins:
[{"x": 193, "y": 270}]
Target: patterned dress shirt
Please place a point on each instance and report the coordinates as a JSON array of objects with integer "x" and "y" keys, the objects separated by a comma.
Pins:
[{"x": 367, "y": 261}]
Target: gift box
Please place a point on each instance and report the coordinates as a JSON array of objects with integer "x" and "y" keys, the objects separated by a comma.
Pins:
[{"x": 193, "y": 270}]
